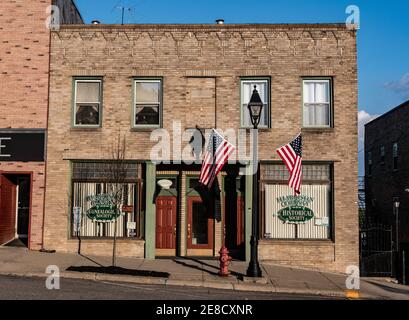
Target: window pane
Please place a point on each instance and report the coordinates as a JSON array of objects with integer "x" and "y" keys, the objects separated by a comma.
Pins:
[
  {"x": 147, "y": 92},
  {"x": 87, "y": 114},
  {"x": 309, "y": 115},
  {"x": 147, "y": 114},
  {"x": 322, "y": 115},
  {"x": 316, "y": 92},
  {"x": 278, "y": 199},
  {"x": 309, "y": 92},
  {"x": 321, "y": 92},
  {"x": 88, "y": 222},
  {"x": 199, "y": 224},
  {"x": 88, "y": 92},
  {"x": 247, "y": 91}
]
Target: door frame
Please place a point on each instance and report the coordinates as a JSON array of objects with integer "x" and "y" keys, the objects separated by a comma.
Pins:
[
  {"x": 174, "y": 193},
  {"x": 30, "y": 174}
]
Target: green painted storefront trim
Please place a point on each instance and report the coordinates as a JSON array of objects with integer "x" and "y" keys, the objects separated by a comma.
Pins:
[
  {"x": 248, "y": 211},
  {"x": 150, "y": 213}
]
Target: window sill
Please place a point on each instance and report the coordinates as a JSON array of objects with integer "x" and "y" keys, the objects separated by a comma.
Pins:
[
  {"x": 144, "y": 129},
  {"x": 318, "y": 130},
  {"x": 86, "y": 128}
]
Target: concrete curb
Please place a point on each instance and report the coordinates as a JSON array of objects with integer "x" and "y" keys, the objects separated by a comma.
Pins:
[{"x": 249, "y": 287}]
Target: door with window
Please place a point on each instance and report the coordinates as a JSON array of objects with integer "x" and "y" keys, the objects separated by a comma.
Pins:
[
  {"x": 199, "y": 228},
  {"x": 23, "y": 209}
]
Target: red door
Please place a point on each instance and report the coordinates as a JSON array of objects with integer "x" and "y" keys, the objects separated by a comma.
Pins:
[
  {"x": 7, "y": 210},
  {"x": 200, "y": 225},
  {"x": 166, "y": 222}
]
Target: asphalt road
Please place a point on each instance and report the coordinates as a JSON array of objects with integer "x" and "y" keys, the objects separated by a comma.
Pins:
[{"x": 20, "y": 288}]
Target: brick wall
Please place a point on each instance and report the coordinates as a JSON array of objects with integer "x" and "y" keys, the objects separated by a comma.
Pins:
[
  {"x": 24, "y": 66},
  {"x": 224, "y": 53},
  {"x": 385, "y": 183}
]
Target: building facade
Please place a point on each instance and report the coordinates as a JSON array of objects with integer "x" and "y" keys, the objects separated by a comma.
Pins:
[
  {"x": 116, "y": 86},
  {"x": 24, "y": 64},
  {"x": 386, "y": 174}
]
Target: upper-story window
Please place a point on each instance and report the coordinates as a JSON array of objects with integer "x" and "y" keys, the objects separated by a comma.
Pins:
[
  {"x": 317, "y": 103},
  {"x": 382, "y": 151},
  {"x": 87, "y": 102},
  {"x": 147, "y": 106},
  {"x": 395, "y": 154},
  {"x": 369, "y": 159},
  {"x": 263, "y": 88}
]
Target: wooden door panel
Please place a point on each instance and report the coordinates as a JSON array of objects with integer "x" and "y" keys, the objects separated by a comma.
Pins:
[
  {"x": 166, "y": 222},
  {"x": 7, "y": 210}
]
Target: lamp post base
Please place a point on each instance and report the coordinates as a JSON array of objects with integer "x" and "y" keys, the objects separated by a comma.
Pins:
[{"x": 254, "y": 270}]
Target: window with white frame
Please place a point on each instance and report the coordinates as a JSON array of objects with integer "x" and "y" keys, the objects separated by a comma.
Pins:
[
  {"x": 247, "y": 88},
  {"x": 147, "y": 102},
  {"x": 317, "y": 106},
  {"x": 87, "y": 102}
]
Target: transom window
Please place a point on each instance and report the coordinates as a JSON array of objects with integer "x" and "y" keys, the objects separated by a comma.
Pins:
[
  {"x": 263, "y": 88},
  {"x": 317, "y": 106},
  {"x": 147, "y": 103},
  {"x": 87, "y": 103}
]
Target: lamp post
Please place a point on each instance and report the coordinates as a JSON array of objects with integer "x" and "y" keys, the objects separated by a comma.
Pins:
[
  {"x": 255, "y": 107},
  {"x": 396, "y": 204}
]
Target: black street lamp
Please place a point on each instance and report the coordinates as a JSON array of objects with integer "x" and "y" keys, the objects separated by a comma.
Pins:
[{"x": 255, "y": 107}]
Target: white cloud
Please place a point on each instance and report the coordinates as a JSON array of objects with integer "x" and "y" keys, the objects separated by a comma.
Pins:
[
  {"x": 363, "y": 118},
  {"x": 401, "y": 86}
]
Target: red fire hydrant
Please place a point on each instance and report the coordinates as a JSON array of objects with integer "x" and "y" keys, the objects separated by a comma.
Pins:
[{"x": 224, "y": 259}]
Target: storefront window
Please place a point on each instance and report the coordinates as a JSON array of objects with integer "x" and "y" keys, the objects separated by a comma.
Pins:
[
  {"x": 97, "y": 201},
  {"x": 307, "y": 216}
]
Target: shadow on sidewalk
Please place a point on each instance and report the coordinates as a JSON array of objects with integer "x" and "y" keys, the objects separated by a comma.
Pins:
[
  {"x": 214, "y": 273},
  {"x": 118, "y": 271}
]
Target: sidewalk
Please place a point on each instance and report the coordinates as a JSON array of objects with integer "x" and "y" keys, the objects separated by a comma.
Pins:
[{"x": 192, "y": 273}]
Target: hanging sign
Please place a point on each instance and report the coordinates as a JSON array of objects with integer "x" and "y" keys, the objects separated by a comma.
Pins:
[
  {"x": 103, "y": 208},
  {"x": 295, "y": 209}
]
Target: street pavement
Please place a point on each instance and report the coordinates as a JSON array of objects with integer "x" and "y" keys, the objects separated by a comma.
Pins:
[
  {"x": 32, "y": 288},
  {"x": 193, "y": 273}
]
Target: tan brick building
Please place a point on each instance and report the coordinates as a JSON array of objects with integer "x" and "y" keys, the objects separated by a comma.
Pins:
[
  {"x": 110, "y": 80},
  {"x": 24, "y": 66}
]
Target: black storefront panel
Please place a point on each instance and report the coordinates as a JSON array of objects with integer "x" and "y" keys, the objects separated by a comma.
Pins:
[{"x": 22, "y": 145}]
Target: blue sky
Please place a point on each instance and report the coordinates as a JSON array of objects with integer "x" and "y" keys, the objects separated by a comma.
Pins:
[{"x": 383, "y": 39}]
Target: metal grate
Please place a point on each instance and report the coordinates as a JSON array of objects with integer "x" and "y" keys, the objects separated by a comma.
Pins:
[
  {"x": 102, "y": 171},
  {"x": 311, "y": 172}
]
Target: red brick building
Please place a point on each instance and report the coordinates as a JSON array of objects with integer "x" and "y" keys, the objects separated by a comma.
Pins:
[{"x": 24, "y": 78}]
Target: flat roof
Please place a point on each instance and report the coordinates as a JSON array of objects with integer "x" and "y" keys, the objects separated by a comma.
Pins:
[
  {"x": 388, "y": 113},
  {"x": 321, "y": 26}
]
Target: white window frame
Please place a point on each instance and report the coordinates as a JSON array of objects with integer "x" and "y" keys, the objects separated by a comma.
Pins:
[
  {"x": 134, "y": 102},
  {"x": 329, "y": 103},
  {"x": 242, "y": 102},
  {"x": 74, "y": 107}
]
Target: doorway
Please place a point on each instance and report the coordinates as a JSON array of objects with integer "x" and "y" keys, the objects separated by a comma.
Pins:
[
  {"x": 234, "y": 188},
  {"x": 166, "y": 218},
  {"x": 15, "y": 198},
  {"x": 199, "y": 228}
]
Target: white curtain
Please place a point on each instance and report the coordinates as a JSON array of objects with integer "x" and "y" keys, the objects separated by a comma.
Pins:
[
  {"x": 316, "y": 103},
  {"x": 88, "y": 92},
  {"x": 277, "y": 229},
  {"x": 147, "y": 92}
]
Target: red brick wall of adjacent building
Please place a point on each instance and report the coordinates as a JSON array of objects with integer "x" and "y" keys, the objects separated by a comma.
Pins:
[{"x": 24, "y": 69}]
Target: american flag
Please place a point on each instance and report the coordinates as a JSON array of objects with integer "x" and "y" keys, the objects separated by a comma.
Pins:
[
  {"x": 291, "y": 154},
  {"x": 216, "y": 155}
]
